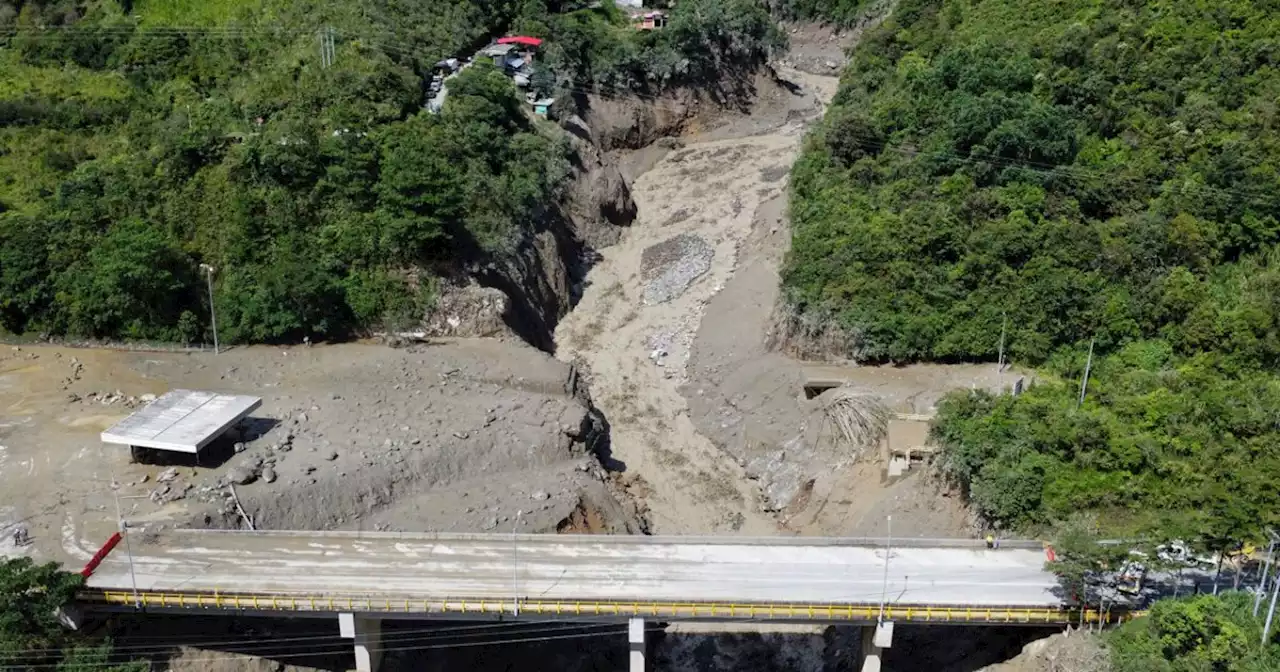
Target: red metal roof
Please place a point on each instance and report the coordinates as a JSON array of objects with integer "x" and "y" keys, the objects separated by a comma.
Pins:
[{"x": 521, "y": 39}]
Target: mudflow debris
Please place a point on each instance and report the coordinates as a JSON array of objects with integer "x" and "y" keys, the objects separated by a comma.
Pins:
[{"x": 671, "y": 266}]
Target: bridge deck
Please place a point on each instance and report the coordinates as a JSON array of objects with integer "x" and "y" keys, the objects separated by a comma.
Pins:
[{"x": 558, "y": 570}]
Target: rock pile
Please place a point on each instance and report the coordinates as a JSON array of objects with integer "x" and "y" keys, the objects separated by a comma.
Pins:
[
  {"x": 110, "y": 398},
  {"x": 670, "y": 267}
]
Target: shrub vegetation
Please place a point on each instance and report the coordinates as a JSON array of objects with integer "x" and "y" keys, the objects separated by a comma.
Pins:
[{"x": 1067, "y": 173}]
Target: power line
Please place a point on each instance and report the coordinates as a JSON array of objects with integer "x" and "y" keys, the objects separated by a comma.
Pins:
[
  {"x": 1072, "y": 172},
  {"x": 422, "y": 634},
  {"x": 345, "y": 649},
  {"x": 315, "y": 635},
  {"x": 467, "y": 630}
]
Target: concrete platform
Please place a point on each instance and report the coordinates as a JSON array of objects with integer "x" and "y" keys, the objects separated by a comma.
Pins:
[{"x": 182, "y": 420}]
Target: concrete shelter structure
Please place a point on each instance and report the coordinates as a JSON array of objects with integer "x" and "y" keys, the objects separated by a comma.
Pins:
[{"x": 182, "y": 421}]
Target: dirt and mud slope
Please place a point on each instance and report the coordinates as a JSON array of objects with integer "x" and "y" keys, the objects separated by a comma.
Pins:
[
  {"x": 643, "y": 302},
  {"x": 709, "y": 422},
  {"x": 456, "y": 436}
]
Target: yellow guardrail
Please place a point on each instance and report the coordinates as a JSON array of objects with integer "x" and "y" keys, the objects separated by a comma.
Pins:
[{"x": 603, "y": 608}]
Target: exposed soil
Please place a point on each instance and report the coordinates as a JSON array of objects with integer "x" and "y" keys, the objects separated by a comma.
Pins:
[
  {"x": 821, "y": 49},
  {"x": 636, "y": 322},
  {"x": 457, "y": 436},
  {"x": 817, "y": 49},
  {"x": 703, "y": 427},
  {"x": 673, "y": 327},
  {"x": 1072, "y": 651}
]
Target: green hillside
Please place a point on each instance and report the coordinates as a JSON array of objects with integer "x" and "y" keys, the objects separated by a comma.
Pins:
[
  {"x": 1067, "y": 173},
  {"x": 140, "y": 139}
]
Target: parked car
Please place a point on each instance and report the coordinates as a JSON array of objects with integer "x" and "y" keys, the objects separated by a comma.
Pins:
[
  {"x": 1130, "y": 578},
  {"x": 1177, "y": 552}
]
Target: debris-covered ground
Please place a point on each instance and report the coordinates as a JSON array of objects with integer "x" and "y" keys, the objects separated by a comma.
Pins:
[
  {"x": 455, "y": 436},
  {"x": 635, "y": 325},
  {"x": 673, "y": 328},
  {"x": 702, "y": 427}
]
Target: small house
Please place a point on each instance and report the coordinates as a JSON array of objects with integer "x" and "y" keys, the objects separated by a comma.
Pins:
[
  {"x": 498, "y": 53},
  {"x": 542, "y": 107},
  {"x": 651, "y": 20},
  {"x": 524, "y": 48}
]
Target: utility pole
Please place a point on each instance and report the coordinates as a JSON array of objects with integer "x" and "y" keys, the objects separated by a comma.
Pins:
[
  {"x": 515, "y": 566},
  {"x": 1271, "y": 612},
  {"x": 888, "y": 549},
  {"x": 1004, "y": 323},
  {"x": 128, "y": 547},
  {"x": 213, "y": 315},
  {"x": 1266, "y": 571},
  {"x": 1084, "y": 382}
]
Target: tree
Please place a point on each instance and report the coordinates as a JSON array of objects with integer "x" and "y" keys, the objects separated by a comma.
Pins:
[
  {"x": 1203, "y": 632},
  {"x": 144, "y": 146},
  {"x": 542, "y": 81},
  {"x": 294, "y": 294},
  {"x": 25, "y": 291},
  {"x": 420, "y": 190},
  {"x": 190, "y": 329},
  {"x": 31, "y": 637},
  {"x": 133, "y": 282},
  {"x": 1085, "y": 568}
]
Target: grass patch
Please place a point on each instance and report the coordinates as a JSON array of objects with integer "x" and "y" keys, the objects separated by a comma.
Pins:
[
  {"x": 201, "y": 13},
  {"x": 19, "y": 80}
]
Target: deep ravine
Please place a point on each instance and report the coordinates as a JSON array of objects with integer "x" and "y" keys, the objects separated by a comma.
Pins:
[{"x": 643, "y": 303}]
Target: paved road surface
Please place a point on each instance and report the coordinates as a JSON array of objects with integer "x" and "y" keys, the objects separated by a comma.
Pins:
[{"x": 587, "y": 567}]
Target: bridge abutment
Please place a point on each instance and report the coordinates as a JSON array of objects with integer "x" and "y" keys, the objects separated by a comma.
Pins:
[{"x": 367, "y": 633}]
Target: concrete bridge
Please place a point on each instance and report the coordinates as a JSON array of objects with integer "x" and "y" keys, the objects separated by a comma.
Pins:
[{"x": 363, "y": 578}]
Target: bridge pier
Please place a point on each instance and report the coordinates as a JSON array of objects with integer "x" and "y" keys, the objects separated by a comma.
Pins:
[
  {"x": 367, "y": 633},
  {"x": 635, "y": 637},
  {"x": 875, "y": 639}
]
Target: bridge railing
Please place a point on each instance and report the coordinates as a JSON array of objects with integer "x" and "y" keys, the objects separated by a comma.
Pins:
[
  {"x": 638, "y": 540},
  {"x": 596, "y": 609}
]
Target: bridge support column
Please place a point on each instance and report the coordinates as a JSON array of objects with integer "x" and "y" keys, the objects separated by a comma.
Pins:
[
  {"x": 71, "y": 616},
  {"x": 367, "y": 633},
  {"x": 875, "y": 639},
  {"x": 635, "y": 636}
]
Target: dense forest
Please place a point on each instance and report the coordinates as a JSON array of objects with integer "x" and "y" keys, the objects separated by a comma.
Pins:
[
  {"x": 1060, "y": 178},
  {"x": 141, "y": 140}
]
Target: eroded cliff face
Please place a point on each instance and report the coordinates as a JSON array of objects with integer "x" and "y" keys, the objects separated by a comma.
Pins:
[{"x": 525, "y": 294}]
